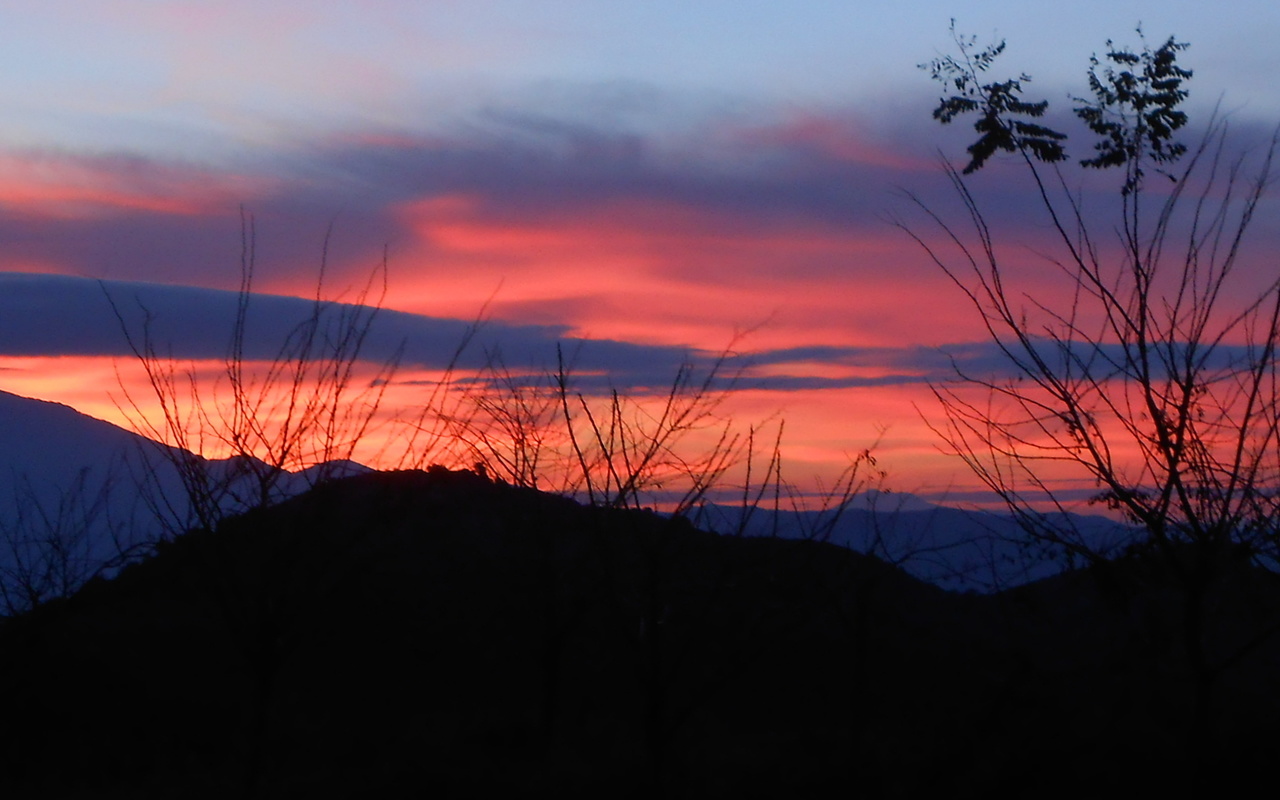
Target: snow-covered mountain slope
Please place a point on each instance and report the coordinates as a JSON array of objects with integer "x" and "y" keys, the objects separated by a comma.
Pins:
[
  {"x": 49, "y": 444},
  {"x": 78, "y": 494}
]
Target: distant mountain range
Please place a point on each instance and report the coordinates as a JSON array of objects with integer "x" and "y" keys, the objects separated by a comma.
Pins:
[
  {"x": 70, "y": 481},
  {"x": 78, "y": 493},
  {"x": 954, "y": 548}
]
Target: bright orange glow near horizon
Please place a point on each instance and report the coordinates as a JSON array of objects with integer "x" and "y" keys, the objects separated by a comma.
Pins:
[
  {"x": 823, "y": 430},
  {"x": 98, "y": 386}
]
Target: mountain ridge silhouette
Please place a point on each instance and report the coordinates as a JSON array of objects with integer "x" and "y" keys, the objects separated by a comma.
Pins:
[{"x": 395, "y": 631}]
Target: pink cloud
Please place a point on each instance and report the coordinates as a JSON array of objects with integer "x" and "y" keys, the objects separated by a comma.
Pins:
[
  {"x": 675, "y": 274},
  {"x": 841, "y": 139},
  {"x": 56, "y": 186}
]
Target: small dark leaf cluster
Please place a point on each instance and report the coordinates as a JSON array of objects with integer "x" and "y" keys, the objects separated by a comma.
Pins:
[
  {"x": 999, "y": 103},
  {"x": 1134, "y": 108}
]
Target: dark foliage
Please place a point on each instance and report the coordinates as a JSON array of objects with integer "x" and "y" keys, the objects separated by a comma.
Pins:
[
  {"x": 1134, "y": 110},
  {"x": 1002, "y": 112}
]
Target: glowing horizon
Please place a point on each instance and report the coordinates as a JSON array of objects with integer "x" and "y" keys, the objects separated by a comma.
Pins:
[{"x": 645, "y": 186}]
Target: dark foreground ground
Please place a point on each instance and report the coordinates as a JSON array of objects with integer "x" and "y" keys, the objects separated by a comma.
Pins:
[{"x": 434, "y": 634}]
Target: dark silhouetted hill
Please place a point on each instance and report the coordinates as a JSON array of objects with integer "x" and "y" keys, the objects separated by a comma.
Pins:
[
  {"x": 79, "y": 495},
  {"x": 436, "y": 634}
]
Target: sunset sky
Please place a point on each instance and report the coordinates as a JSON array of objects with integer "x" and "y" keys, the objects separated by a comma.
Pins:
[{"x": 646, "y": 182}]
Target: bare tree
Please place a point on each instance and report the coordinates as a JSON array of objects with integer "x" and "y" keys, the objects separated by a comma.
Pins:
[
  {"x": 540, "y": 429},
  {"x": 676, "y": 449},
  {"x": 627, "y": 448},
  {"x": 305, "y": 408},
  {"x": 506, "y": 424},
  {"x": 1151, "y": 368}
]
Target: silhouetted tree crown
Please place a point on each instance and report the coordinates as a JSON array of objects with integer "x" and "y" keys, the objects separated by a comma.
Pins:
[{"x": 1134, "y": 108}]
